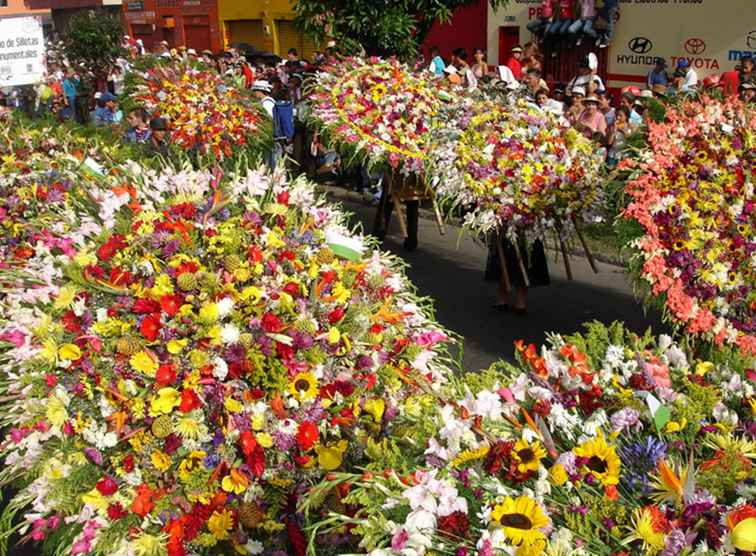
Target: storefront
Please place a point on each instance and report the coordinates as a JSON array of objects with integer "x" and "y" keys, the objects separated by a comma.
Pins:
[
  {"x": 267, "y": 25},
  {"x": 190, "y": 23}
]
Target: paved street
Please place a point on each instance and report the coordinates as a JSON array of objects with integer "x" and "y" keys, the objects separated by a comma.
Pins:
[{"x": 450, "y": 268}]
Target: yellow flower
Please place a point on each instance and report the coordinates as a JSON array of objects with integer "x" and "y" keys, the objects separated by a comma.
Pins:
[
  {"x": 521, "y": 519},
  {"x": 160, "y": 460},
  {"x": 69, "y": 352},
  {"x": 558, "y": 475},
  {"x": 375, "y": 407},
  {"x": 304, "y": 386},
  {"x": 49, "y": 350},
  {"x": 264, "y": 439},
  {"x": 66, "y": 297},
  {"x": 56, "y": 412},
  {"x": 675, "y": 426},
  {"x": 220, "y": 523},
  {"x": 743, "y": 535},
  {"x": 235, "y": 482},
  {"x": 163, "y": 286},
  {"x": 149, "y": 545},
  {"x": 528, "y": 456},
  {"x": 341, "y": 293},
  {"x": 144, "y": 362},
  {"x": 467, "y": 456},
  {"x": 176, "y": 346},
  {"x": 334, "y": 336},
  {"x": 274, "y": 241},
  {"x": 330, "y": 456},
  {"x": 208, "y": 313},
  {"x": 232, "y": 405},
  {"x": 166, "y": 400},
  {"x": 95, "y": 499},
  {"x": 603, "y": 462},
  {"x": 704, "y": 367},
  {"x": 644, "y": 531}
]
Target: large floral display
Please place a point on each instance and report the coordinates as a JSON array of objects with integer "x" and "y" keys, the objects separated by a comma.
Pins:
[
  {"x": 514, "y": 167},
  {"x": 211, "y": 350},
  {"x": 208, "y": 115},
  {"x": 379, "y": 108},
  {"x": 692, "y": 193},
  {"x": 603, "y": 443}
]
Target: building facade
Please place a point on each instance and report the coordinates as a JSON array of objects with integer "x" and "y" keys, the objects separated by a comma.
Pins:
[
  {"x": 190, "y": 23},
  {"x": 266, "y": 25},
  {"x": 467, "y": 29}
]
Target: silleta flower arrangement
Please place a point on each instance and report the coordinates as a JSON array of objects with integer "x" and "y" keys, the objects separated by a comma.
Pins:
[
  {"x": 208, "y": 116},
  {"x": 514, "y": 167},
  {"x": 378, "y": 108},
  {"x": 692, "y": 195},
  {"x": 602, "y": 443},
  {"x": 217, "y": 346}
]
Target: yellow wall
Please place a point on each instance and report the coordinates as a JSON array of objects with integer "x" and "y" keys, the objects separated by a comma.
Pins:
[{"x": 269, "y": 11}]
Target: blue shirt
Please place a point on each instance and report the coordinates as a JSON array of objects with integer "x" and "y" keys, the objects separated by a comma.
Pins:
[
  {"x": 437, "y": 65},
  {"x": 103, "y": 116},
  {"x": 657, "y": 78},
  {"x": 69, "y": 87}
]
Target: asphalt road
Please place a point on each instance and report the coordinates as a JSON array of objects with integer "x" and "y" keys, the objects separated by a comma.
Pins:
[{"x": 449, "y": 270}]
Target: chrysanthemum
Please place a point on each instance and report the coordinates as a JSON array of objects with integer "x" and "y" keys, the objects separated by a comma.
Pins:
[{"x": 649, "y": 527}]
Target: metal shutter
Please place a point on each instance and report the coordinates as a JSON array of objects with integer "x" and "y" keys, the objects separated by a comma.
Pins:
[
  {"x": 291, "y": 37},
  {"x": 246, "y": 30}
]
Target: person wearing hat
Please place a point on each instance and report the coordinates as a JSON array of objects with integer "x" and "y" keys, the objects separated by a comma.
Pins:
[
  {"x": 106, "y": 111},
  {"x": 514, "y": 62},
  {"x": 586, "y": 78},
  {"x": 262, "y": 89},
  {"x": 591, "y": 120},
  {"x": 747, "y": 91},
  {"x": 658, "y": 75},
  {"x": 690, "y": 80},
  {"x": 659, "y": 91}
]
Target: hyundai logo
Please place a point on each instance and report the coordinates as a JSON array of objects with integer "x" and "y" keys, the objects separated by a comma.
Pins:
[{"x": 640, "y": 45}]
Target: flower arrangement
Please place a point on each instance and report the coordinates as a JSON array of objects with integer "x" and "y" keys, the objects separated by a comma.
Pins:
[
  {"x": 602, "y": 443},
  {"x": 379, "y": 108},
  {"x": 692, "y": 196},
  {"x": 208, "y": 116},
  {"x": 515, "y": 166},
  {"x": 215, "y": 347}
]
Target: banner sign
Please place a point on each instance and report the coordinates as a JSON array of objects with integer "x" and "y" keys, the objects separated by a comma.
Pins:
[{"x": 22, "y": 51}]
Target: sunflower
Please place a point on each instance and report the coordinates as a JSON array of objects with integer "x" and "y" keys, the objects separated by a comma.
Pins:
[
  {"x": 521, "y": 520},
  {"x": 378, "y": 92},
  {"x": 601, "y": 460},
  {"x": 528, "y": 456},
  {"x": 304, "y": 387}
]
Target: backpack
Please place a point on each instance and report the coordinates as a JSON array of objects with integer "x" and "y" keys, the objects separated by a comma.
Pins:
[{"x": 283, "y": 120}]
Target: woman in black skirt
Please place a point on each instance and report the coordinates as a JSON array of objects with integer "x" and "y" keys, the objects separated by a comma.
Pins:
[{"x": 536, "y": 267}]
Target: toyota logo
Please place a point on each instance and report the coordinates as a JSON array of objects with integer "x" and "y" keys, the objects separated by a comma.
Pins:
[
  {"x": 640, "y": 45},
  {"x": 751, "y": 40},
  {"x": 694, "y": 46}
]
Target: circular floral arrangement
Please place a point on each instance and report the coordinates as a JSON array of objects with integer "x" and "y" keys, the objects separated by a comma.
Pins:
[
  {"x": 693, "y": 196},
  {"x": 515, "y": 166},
  {"x": 379, "y": 107},
  {"x": 207, "y": 114},
  {"x": 213, "y": 350},
  {"x": 603, "y": 443}
]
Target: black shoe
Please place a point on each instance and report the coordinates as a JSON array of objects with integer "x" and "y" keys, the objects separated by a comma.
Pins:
[
  {"x": 520, "y": 311},
  {"x": 410, "y": 245},
  {"x": 503, "y": 307}
]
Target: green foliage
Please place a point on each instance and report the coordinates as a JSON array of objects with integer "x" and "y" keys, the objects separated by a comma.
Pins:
[
  {"x": 94, "y": 41},
  {"x": 379, "y": 27}
]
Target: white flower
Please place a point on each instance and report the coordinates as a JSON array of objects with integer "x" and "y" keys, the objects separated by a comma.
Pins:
[
  {"x": 254, "y": 547},
  {"x": 486, "y": 404},
  {"x": 220, "y": 368},
  {"x": 229, "y": 334},
  {"x": 225, "y": 306}
]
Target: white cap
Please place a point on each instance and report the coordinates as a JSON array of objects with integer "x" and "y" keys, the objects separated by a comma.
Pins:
[
  {"x": 579, "y": 90},
  {"x": 647, "y": 93},
  {"x": 192, "y": 52},
  {"x": 97, "y": 95},
  {"x": 450, "y": 69},
  {"x": 592, "y": 61},
  {"x": 262, "y": 85}
]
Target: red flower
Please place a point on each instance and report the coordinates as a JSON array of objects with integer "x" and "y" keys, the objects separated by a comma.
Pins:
[
  {"x": 292, "y": 288},
  {"x": 189, "y": 401},
  {"x": 116, "y": 512},
  {"x": 271, "y": 323},
  {"x": 120, "y": 277},
  {"x": 336, "y": 315},
  {"x": 283, "y": 198},
  {"x": 71, "y": 322},
  {"x": 145, "y": 306},
  {"x": 171, "y": 304},
  {"x": 307, "y": 435},
  {"x": 128, "y": 463},
  {"x": 166, "y": 375},
  {"x": 115, "y": 243},
  {"x": 248, "y": 442},
  {"x": 189, "y": 266},
  {"x": 150, "y": 327},
  {"x": 107, "y": 486}
]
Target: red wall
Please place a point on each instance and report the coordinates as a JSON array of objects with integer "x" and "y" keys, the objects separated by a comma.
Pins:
[
  {"x": 194, "y": 22},
  {"x": 467, "y": 29}
]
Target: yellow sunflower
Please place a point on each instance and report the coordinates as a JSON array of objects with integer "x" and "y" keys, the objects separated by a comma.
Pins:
[
  {"x": 647, "y": 529},
  {"x": 521, "y": 520},
  {"x": 304, "y": 387},
  {"x": 602, "y": 460},
  {"x": 528, "y": 456}
]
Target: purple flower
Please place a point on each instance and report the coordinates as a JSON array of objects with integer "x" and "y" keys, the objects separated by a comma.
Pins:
[{"x": 639, "y": 459}]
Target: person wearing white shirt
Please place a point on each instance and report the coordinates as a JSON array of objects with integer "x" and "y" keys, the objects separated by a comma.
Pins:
[
  {"x": 262, "y": 89},
  {"x": 691, "y": 77}
]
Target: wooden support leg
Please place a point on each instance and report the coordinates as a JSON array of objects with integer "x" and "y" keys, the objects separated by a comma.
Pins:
[{"x": 503, "y": 262}]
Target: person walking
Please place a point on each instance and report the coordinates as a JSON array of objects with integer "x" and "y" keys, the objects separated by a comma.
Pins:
[{"x": 532, "y": 259}]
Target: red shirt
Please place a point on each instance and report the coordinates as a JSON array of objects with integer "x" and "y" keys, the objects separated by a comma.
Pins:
[
  {"x": 566, "y": 9},
  {"x": 730, "y": 81},
  {"x": 516, "y": 67},
  {"x": 546, "y": 9}
]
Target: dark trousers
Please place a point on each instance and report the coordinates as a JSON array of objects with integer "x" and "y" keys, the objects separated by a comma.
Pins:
[{"x": 383, "y": 218}]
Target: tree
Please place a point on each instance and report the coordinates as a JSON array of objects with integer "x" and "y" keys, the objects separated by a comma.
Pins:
[
  {"x": 380, "y": 27},
  {"x": 93, "y": 41}
]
